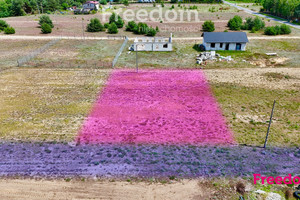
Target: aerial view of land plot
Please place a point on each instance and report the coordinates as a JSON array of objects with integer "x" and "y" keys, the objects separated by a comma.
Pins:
[{"x": 150, "y": 99}]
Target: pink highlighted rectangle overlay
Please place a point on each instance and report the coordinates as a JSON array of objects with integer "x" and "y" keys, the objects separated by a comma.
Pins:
[{"x": 156, "y": 107}]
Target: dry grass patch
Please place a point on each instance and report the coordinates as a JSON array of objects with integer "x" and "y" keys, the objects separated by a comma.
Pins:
[{"x": 44, "y": 104}]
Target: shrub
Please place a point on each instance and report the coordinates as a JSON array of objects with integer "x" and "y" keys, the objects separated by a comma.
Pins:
[
  {"x": 106, "y": 25},
  {"x": 270, "y": 31},
  {"x": 46, "y": 28},
  {"x": 3, "y": 25},
  {"x": 119, "y": 22},
  {"x": 141, "y": 29},
  {"x": 162, "y": 5},
  {"x": 131, "y": 26},
  {"x": 151, "y": 32},
  {"x": 157, "y": 29},
  {"x": 9, "y": 30},
  {"x": 208, "y": 26},
  {"x": 285, "y": 29},
  {"x": 277, "y": 30},
  {"x": 113, "y": 18},
  {"x": 253, "y": 24},
  {"x": 125, "y": 2},
  {"x": 235, "y": 23},
  {"x": 45, "y": 19},
  {"x": 113, "y": 29},
  {"x": 172, "y": 7},
  {"x": 95, "y": 26},
  {"x": 103, "y": 2}
]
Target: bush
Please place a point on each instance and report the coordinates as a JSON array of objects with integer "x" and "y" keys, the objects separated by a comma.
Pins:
[
  {"x": 119, "y": 22},
  {"x": 125, "y": 2},
  {"x": 174, "y": 1},
  {"x": 277, "y": 30},
  {"x": 131, "y": 26},
  {"x": 141, "y": 29},
  {"x": 103, "y": 2},
  {"x": 113, "y": 18},
  {"x": 112, "y": 29},
  {"x": 151, "y": 32},
  {"x": 44, "y": 19},
  {"x": 9, "y": 30},
  {"x": 235, "y": 23},
  {"x": 3, "y": 25},
  {"x": 208, "y": 26},
  {"x": 253, "y": 24},
  {"x": 46, "y": 28},
  {"x": 106, "y": 25},
  {"x": 285, "y": 29},
  {"x": 95, "y": 26}
]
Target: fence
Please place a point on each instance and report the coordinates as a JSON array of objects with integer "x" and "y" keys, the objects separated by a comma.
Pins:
[
  {"x": 32, "y": 55},
  {"x": 120, "y": 52}
]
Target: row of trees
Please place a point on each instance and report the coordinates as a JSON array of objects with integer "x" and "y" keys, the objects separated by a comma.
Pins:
[
  {"x": 288, "y": 9},
  {"x": 22, "y": 7},
  {"x": 253, "y": 24}
]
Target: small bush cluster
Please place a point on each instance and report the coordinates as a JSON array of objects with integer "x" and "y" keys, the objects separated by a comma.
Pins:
[
  {"x": 235, "y": 23},
  {"x": 6, "y": 28},
  {"x": 208, "y": 26},
  {"x": 141, "y": 29},
  {"x": 193, "y": 7},
  {"x": 95, "y": 26},
  {"x": 117, "y": 20},
  {"x": 3, "y": 25},
  {"x": 46, "y": 24},
  {"x": 253, "y": 24},
  {"x": 278, "y": 30}
]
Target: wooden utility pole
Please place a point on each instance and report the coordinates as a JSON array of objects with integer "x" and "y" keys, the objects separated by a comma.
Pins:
[{"x": 265, "y": 145}]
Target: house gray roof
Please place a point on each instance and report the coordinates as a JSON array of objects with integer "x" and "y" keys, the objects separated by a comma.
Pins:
[{"x": 217, "y": 37}]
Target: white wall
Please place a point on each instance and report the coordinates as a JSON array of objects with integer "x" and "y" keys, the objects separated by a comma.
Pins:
[{"x": 232, "y": 46}]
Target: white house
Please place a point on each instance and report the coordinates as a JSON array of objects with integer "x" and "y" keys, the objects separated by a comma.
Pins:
[
  {"x": 236, "y": 41},
  {"x": 91, "y": 5}
]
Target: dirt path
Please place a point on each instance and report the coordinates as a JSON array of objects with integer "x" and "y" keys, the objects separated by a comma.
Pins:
[
  {"x": 62, "y": 190},
  {"x": 19, "y": 37}
]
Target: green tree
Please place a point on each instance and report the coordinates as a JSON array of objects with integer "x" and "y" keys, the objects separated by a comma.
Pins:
[
  {"x": 285, "y": 29},
  {"x": 235, "y": 23},
  {"x": 112, "y": 29},
  {"x": 46, "y": 28},
  {"x": 125, "y": 2},
  {"x": 151, "y": 32},
  {"x": 64, "y": 6},
  {"x": 119, "y": 22},
  {"x": 103, "y": 2},
  {"x": 45, "y": 19},
  {"x": 113, "y": 18},
  {"x": 17, "y": 8},
  {"x": 95, "y": 26},
  {"x": 208, "y": 26},
  {"x": 141, "y": 29},
  {"x": 4, "y": 9},
  {"x": 131, "y": 25}
]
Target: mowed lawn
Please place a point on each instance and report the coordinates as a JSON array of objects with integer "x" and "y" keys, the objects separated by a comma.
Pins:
[{"x": 46, "y": 104}]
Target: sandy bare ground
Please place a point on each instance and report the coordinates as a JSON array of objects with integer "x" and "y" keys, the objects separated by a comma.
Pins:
[
  {"x": 62, "y": 190},
  {"x": 257, "y": 77}
]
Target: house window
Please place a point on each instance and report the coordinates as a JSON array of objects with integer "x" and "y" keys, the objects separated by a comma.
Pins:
[
  {"x": 165, "y": 46},
  {"x": 213, "y": 45},
  {"x": 221, "y": 45}
]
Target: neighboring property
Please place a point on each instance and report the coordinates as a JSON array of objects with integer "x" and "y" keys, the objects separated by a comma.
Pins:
[
  {"x": 91, "y": 5},
  {"x": 225, "y": 41},
  {"x": 152, "y": 44}
]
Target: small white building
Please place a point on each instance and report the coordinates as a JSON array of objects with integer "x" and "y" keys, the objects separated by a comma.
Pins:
[
  {"x": 152, "y": 44},
  {"x": 91, "y": 5},
  {"x": 236, "y": 41}
]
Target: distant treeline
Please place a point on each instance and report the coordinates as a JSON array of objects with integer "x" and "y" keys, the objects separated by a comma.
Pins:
[
  {"x": 288, "y": 9},
  {"x": 22, "y": 7}
]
